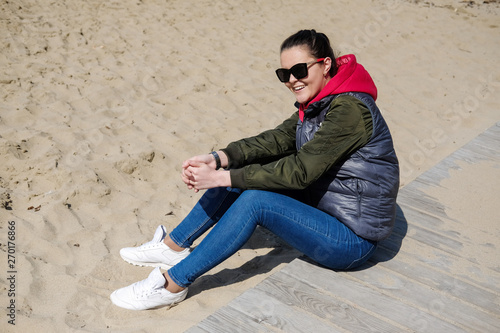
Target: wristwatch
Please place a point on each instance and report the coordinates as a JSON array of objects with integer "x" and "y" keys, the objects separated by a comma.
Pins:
[{"x": 217, "y": 160}]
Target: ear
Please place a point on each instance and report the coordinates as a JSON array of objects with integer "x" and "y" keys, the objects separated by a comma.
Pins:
[{"x": 328, "y": 65}]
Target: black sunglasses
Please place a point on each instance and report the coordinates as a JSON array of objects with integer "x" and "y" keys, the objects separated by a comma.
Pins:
[{"x": 299, "y": 71}]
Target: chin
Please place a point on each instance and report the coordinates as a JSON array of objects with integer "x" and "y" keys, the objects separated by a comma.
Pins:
[
  {"x": 302, "y": 100},
  {"x": 303, "y": 97}
]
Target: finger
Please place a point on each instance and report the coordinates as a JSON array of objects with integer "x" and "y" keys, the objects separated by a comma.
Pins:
[
  {"x": 195, "y": 163},
  {"x": 191, "y": 172},
  {"x": 184, "y": 177},
  {"x": 188, "y": 172},
  {"x": 186, "y": 163}
]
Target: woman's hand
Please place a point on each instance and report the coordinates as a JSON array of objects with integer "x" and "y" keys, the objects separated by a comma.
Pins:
[
  {"x": 197, "y": 172},
  {"x": 199, "y": 175},
  {"x": 205, "y": 158},
  {"x": 187, "y": 176}
]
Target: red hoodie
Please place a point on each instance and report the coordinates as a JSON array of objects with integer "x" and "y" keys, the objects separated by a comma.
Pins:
[{"x": 350, "y": 76}]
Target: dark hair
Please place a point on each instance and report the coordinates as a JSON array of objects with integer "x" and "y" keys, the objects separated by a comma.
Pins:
[{"x": 317, "y": 42}]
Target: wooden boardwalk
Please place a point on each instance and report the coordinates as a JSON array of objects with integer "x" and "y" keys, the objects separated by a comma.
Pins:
[{"x": 419, "y": 279}]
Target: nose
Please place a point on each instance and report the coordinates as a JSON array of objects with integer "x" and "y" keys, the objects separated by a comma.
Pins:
[{"x": 292, "y": 79}]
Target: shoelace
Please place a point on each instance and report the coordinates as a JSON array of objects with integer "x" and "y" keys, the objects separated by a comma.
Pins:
[
  {"x": 148, "y": 244},
  {"x": 154, "y": 241},
  {"x": 144, "y": 287}
]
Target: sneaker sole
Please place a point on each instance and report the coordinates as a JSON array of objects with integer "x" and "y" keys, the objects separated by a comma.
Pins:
[
  {"x": 118, "y": 302},
  {"x": 148, "y": 264}
]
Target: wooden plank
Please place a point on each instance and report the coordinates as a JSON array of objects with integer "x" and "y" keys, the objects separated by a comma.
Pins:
[
  {"x": 432, "y": 179},
  {"x": 493, "y": 133},
  {"x": 409, "y": 217},
  {"x": 462, "y": 287},
  {"x": 482, "y": 277},
  {"x": 437, "y": 301},
  {"x": 495, "y": 129},
  {"x": 434, "y": 239},
  {"x": 450, "y": 244},
  {"x": 486, "y": 143},
  {"x": 197, "y": 329},
  {"x": 485, "y": 146},
  {"x": 406, "y": 242},
  {"x": 368, "y": 299},
  {"x": 270, "y": 312},
  {"x": 470, "y": 156},
  {"x": 438, "y": 233},
  {"x": 229, "y": 320},
  {"x": 454, "y": 162},
  {"x": 345, "y": 315},
  {"x": 422, "y": 202}
]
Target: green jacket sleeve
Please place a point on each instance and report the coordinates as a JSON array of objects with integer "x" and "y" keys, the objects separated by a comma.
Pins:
[
  {"x": 347, "y": 127},
  {"x": 268, "y": 146}
]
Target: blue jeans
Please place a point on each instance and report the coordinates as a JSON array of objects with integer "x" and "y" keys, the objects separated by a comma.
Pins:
[{"x": 237, "y": 213}]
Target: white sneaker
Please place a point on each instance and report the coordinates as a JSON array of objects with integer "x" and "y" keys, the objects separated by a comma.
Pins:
[
  {"x": 147, "y": 294},
  {"x": 154, "y": 253}
]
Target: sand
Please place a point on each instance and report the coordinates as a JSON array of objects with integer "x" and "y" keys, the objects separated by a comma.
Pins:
[{"x": 101, "y": 101}]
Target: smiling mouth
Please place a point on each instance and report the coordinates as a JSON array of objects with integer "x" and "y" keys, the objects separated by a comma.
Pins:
[{"x": 298, "y": 88}]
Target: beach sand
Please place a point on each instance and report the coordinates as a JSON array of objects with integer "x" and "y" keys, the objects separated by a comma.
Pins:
[{"x": 101, "y": 101}]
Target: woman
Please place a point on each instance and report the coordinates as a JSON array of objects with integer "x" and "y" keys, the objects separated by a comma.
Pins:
[{"x": 325, "y": 181}]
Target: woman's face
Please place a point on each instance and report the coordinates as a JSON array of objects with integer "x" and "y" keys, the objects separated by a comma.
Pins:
[{"x": 318, "y": 76}]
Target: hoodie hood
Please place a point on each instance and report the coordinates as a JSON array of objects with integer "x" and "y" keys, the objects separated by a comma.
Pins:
[{"x": 350, "y": 77}]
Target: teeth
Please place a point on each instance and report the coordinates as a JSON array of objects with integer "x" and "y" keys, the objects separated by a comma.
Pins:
[{"x": 298, "y": 88}]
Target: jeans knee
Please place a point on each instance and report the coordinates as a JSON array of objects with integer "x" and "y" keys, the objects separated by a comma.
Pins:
[
  {"x": 255, "y": 195},
  {"x": 255, "y": 202}
]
